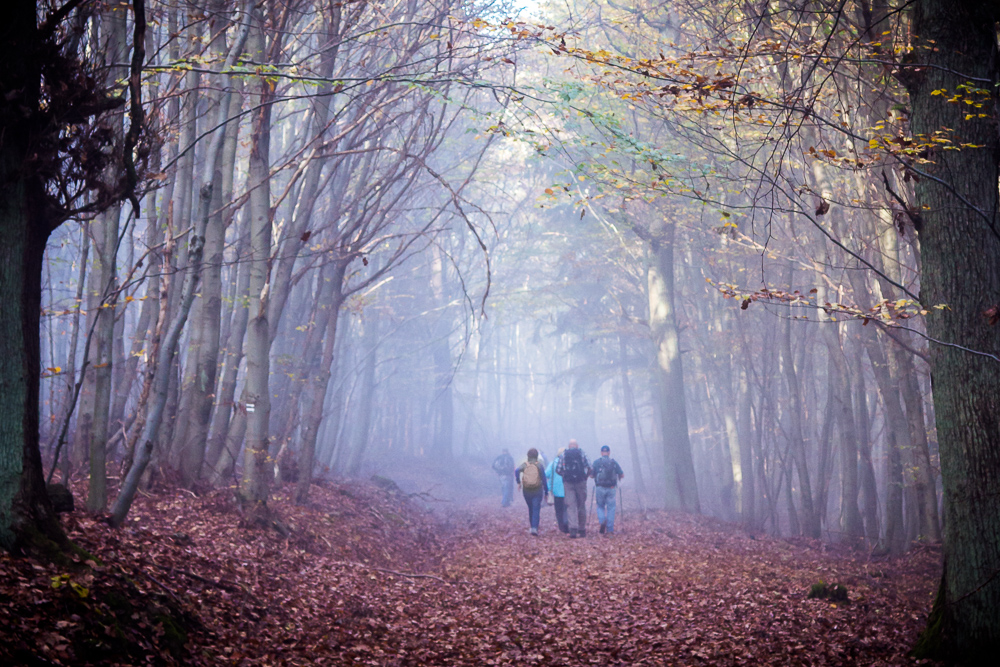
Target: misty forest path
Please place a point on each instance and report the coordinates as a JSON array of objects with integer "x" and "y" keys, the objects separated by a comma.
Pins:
[
  {"x": 669, "y": 589},
  {"x": 364, "y": 576}
]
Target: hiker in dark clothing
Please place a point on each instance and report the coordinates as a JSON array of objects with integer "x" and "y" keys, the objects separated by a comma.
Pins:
[
  {"x": 575, "y": 469},
  {"x": 606, "y": 473},
  {"x": 530, "y": 477},
  {"x": 503, "y": 466}
]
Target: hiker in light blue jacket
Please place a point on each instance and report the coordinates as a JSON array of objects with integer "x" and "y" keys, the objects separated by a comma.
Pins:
[{"x": 558, "y": 493}]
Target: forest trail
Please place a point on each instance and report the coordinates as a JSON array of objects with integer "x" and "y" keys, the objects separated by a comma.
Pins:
[
  {"x": 668, "y": 589},
  {"x": 367, "y": 578}
]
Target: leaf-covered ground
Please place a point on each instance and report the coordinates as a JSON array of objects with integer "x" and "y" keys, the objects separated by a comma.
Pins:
[{"x": 364, "y": 577}]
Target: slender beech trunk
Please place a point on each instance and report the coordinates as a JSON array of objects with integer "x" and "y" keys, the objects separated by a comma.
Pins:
[
  {"x": 442, "y": 403},
  {"x": 869, "y": 488},
  {"x": 294, "y": 238},
  {"x": 74, "y": 340},
  {"x": 160, "y": 386},
  {"x": 810, "y": 517},
  {"x": 366, "y": 394},
  {"x": 233, "y": 357},
  {"x": 316, "y": 392},
  {"x": 840, "y": 391},
  {"x": 629, "y": 400},
  {"x": 258, "y": 469},
  {"x": 748, "y": 495},
  {"x": 896, "y": 431},
  {"x": 205, "y": 358}
]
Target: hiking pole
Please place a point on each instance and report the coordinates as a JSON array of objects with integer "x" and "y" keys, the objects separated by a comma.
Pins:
[
  {"x": 593, "y": 494},
  {"x": 621, "y": 503}
]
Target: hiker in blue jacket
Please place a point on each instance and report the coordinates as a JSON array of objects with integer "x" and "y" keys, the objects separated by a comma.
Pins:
[
  {"x": 530, "y": 478},
  {"x": 503, "y": 466},
  {"x": 555, "y": 481}
]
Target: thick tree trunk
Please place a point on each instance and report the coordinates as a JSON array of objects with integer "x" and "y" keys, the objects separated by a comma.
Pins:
[
  {"x": 681, "y": 487},
  {"x": 26, "y": 516},
  {"x": 960, "y": 253}
]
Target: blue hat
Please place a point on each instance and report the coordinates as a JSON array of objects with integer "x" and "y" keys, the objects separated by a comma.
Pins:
[{"x": 605, "y": 448}]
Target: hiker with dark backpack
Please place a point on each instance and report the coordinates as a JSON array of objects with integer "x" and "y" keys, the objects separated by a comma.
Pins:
[
  {"x": 606, "y": 473},
  {"x": 575, "y": 469},
  {"x": 503, "y": 466},
  {"x": 530, "y": 477}
]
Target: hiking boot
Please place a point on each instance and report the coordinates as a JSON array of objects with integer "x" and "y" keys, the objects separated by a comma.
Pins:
[
  {"x": 534, "y": 531},
  {"x": 572, "y": 534},
  {"x": 602, "y": 528},
  {"x": 582, "y": 532}
]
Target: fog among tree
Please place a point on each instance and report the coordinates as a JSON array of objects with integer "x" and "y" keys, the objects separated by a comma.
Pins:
[{"x": 273, "y": 249}]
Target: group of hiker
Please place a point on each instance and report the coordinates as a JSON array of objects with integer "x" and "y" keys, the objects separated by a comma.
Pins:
[{"x": 565, "y": 477}]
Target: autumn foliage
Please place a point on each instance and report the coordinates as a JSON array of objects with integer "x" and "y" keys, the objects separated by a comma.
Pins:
[{"x": 366, "y": 577}]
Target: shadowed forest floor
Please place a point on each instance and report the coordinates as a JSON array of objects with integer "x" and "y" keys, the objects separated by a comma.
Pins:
[{"x": 365, "y": 577}]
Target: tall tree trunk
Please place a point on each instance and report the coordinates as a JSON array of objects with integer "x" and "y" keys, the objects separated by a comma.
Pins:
[
  {"x": 26, "y": 516},
  {"x": 681, "y": 487},
  {"x": 629, "y": 400},
  {"x": 258, "y": 469},
  {"x": 810, "y": 517},
  {"x": 960, "y": 253},
  {"x": 896, "y": 431},
  {"x": 205, "y": 357},
  {"x": 294, "y": 237},
  {"x": 160, "y": 387},
  {"x": 869, "y": 488},
  {"x": 442, "y": 403},
  {"x": 233, "y": 357},
  {"x": 316, "y": 389},
  {"x": 366, "y": 392},
  {"x": 748, "y": 495},
  {"x": 74, "y": 340}
]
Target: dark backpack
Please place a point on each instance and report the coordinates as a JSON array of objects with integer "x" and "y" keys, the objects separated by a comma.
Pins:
[
  {"x": 574, "y": 469},
  {"x": 604, "y": 472}
]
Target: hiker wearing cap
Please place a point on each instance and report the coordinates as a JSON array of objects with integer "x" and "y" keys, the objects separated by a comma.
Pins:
[
  {"x": 503, "y": 466},
  {"x": 530, "y": 477},
  {"x": 555, "y": 481},
  {"x": 606, "y": 473},
  {"x": 575, "y": 469}
]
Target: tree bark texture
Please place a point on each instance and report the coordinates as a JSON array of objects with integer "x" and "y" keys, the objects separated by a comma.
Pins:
[
  {"x": 960, "y": 252},
  {"x": 26, "y": 515}
]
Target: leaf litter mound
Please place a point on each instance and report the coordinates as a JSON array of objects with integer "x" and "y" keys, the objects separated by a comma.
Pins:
[{"x": 364, "y": 575}]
